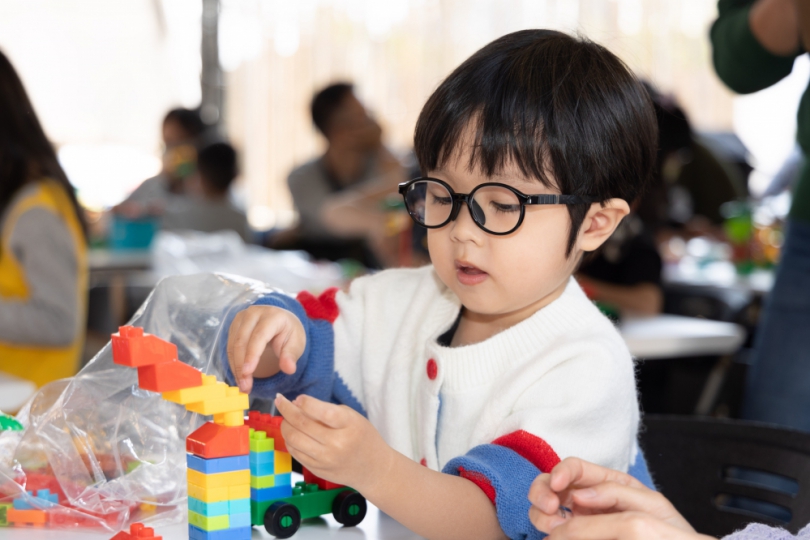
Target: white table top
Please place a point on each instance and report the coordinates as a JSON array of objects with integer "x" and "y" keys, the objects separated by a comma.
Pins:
[
  {"x": 673, "y": 336},
  {"x": 14, "y": 392},
  {"x": 376, "y": 526},
  {"x": 718, "y": 274}
]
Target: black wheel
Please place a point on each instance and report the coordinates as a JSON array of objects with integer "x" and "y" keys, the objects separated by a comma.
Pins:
[
  {"x": 349, "y": 508},
  {"x": 282, "y": 519}
]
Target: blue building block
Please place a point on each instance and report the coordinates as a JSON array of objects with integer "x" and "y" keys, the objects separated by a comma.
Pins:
[
  {"x": 262, "y": 457},
  {"x": 269, "y": 494},
  {"x": 217, "y": 465},
  {"x": 239, "y": 520},
  {"x": 262, "y": 469},
  {"x": 222, "y": 508},
  {"x": 44, "y": 498},
  {"x": 240, "y": 533}
]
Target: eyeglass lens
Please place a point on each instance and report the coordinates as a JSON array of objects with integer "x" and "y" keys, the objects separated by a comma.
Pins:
[{"x": 494, "y": 208}]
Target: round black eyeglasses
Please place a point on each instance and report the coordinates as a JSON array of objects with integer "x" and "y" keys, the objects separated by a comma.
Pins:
[{"x": 496, "y": 208}]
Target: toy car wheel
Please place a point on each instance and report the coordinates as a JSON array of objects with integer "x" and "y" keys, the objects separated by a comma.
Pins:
[
  {"x": 282, "y": 519},
  {"x": 349, "y": 508}
]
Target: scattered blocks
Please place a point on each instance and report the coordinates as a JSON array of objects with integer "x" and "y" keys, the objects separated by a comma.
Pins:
[
  {"x": 26, "y": 517},
  {"x": 8, "y": 423},
  {"x": 4, "y": 507},
  {"x": 44, "y": 499},
  {"x": 137, "y": 531}
]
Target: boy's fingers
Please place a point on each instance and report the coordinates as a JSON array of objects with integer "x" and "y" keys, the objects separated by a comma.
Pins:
[
  {"x": 239, "y": 358},
  {"x": 289, "y": 344},
  {"x": 329, "y": 414},
  {"x": 542, "y": 496},
  {"x": 299, "y": 420}
]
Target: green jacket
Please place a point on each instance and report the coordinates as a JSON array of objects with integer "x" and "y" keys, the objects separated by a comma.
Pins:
[{"x": 745, "y": 66}]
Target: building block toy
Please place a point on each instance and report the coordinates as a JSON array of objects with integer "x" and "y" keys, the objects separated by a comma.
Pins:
[
  {"x": 137, "y": 531},
  {"x": 310, "y": 478},
  {"x": 26, "y": 517},
  {"x": 133, "y": 348},
  {"x": 238, "y": 470},
  {"x": 217, "y": 465},
  {"x": 44, "y": 499},
  {"x": 215, "y": 441},
  {"x": 168, "y": 376},
  {"x": 8, "y": 423},
  {"x": 4, "y": 514}
]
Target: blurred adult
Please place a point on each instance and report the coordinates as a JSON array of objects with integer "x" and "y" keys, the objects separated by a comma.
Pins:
[
  {"x": 604, "y": 504},
  {"x": 337, "y": 195},
  {"x": 181, "y": 131},
  {"x": 208, "y": 207},
  {"x": 755, "y": 44},
  {"x": 43, "y": 247}
]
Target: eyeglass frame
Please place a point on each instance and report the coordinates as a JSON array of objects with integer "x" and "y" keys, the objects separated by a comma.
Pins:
[{"x": 467, "y": 198}]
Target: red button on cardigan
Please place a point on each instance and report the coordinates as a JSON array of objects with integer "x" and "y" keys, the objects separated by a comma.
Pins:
[{"x": 432, "y": 369}]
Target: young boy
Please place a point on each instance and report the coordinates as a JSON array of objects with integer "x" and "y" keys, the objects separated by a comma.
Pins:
[{"x": 490, "y": 365}]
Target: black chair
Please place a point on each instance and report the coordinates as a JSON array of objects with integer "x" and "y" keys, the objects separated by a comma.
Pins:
[{"x": 723, "y": 474}]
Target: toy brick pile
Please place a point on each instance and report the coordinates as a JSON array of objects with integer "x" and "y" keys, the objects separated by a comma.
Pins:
[{"x": 219, "y": 479}]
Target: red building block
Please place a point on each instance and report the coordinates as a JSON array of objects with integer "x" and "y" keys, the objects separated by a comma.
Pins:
[
  {"x": 26, "y": 517},
  {"x": 168, "y": 376},
  {"x": 269, "y": 424},
  {"x": 137, "y": 531},
  {"x": 215, "y": 441},
  {"x": 132, "y": 348},
  {"x": 310, "y": 478}
]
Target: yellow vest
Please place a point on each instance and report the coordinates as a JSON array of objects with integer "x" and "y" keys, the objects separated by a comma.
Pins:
[{"x": 42, "y": 364}]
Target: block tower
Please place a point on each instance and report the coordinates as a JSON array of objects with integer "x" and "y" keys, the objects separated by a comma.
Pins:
[{"x": 219, "y": 475}]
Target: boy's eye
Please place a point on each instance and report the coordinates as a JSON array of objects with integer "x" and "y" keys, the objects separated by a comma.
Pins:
[
  {"x": 504, "y": 208},
  {"x": 441, "y": 200}
]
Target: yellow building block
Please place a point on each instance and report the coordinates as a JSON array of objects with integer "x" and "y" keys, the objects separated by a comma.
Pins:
[
  {"x": 233, "y": 478},
  {"x": 282, "y": 462},
  {"x": 230, "y": 419},
  {"x": 210, "y": 389},
  {"x": 234, "y": 400},
  {"x": 211, "y": 495}
]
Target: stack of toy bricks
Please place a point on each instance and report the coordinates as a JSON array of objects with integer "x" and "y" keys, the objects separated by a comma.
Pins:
[
  {"x": 270, "y": 471},
  {"x": 219, "y": 468}
]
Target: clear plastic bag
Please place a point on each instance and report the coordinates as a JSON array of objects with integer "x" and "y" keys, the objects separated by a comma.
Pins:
[{"x": 114, "y": 453}]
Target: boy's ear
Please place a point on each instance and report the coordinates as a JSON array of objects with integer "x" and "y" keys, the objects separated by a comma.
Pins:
[{"x": 600, "y": 222}]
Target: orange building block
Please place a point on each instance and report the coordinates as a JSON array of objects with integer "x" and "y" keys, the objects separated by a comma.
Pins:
[
  {"x": 26, "y": 517},
  {"x": 214, "y": 441},
  {"x": 133, "y": 348},
  {"x": 269, "y": 424},
  {"x": 137, "y": 531},
  {"x": 168, "y": 376}
]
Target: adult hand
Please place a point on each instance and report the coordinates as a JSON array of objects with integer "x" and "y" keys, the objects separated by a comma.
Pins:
[{"x": 604, "y": 504}]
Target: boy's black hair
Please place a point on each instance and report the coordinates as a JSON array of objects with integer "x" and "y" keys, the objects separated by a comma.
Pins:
[
  {"x": 216, "y": 164},
  {"x": 326, "y": 102},
  {"x": 565, "y": 110},
  {"x": 190, "y": 120}
]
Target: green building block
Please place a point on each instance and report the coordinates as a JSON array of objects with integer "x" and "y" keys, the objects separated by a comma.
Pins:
[
  {"x": 260, "y": 443},
  {"x": 260, "y": 482},
  {"x": 4, "y": 514},
  {"x": 206, "y": 523},
  {"x": 8, "y": 423}
]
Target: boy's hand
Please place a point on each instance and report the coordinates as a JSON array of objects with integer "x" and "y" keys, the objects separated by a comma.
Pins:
[
  {"x": 334, "y": 442},
  {"x": 251, "y": 331}
]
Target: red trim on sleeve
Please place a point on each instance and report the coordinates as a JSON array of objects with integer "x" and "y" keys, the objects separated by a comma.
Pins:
[
  {"x": 532, "y": 448},
  {"x": 479, "y": 480},
  {"x": 323, "y": 307}
]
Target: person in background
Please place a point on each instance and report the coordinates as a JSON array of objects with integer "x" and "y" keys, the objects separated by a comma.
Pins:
[
  {"x": 208, "y": 207},
  {"x": 755, "y": 44},
  {"x": 605, "y": 504},
  {"x": 43, "y": 247},
  {"x": 181, "y": 131},
  {"x": 346, "y": 183}
]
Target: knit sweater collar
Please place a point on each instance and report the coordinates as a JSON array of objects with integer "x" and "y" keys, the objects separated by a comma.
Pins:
[{"x": 480, "y": 363}]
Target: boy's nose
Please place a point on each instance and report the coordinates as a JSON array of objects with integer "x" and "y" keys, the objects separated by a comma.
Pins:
[{"x": 463, "y": 228}]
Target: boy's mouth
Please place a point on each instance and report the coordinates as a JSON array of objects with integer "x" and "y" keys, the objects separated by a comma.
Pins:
[{"x": 468, "y": 274}]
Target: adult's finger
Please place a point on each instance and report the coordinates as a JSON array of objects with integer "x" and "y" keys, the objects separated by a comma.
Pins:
[
  {"x": 545, "y": 499},
  {"x": 577, "y": 473},
  {"x": 610, "y": 497},
  {"x": 621, "y": 526}
]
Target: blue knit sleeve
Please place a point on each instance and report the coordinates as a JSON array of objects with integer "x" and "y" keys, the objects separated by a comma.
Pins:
[
  {"x": 315, "y": 371},
  {"x": 505, "y": 471}
]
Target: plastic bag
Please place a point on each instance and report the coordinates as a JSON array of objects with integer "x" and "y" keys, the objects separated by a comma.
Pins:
[{"x": 113, "y": 453}]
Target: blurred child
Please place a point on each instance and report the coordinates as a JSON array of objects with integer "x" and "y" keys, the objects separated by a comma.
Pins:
[
  {"x": 208, "y": 207},
  {"x": 441, "y": 392}
]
